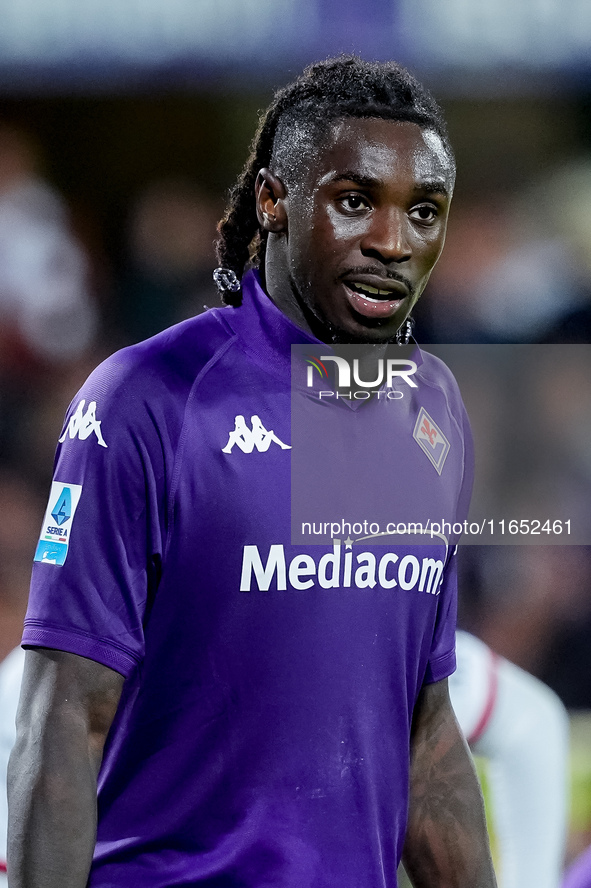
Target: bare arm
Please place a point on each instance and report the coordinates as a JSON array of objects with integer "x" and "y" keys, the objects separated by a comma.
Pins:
[
  {"x": 66, "y": 708},
  {"x": 446, "y": 841}
]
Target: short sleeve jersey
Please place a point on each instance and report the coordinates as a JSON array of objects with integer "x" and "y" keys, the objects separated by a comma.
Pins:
[{"x": 263, "y": 733}]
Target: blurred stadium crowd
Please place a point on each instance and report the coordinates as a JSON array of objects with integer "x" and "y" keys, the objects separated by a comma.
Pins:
[
  {"x": 63, "y": 309},
  {"x": 75, "y": 287}
]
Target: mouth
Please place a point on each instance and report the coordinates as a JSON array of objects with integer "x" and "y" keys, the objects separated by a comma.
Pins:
[{"x": 378, "y": 299}]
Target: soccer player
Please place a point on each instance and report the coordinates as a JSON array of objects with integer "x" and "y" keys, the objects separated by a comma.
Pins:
[
  {"x": 521, "y": 728},
  {"x": 259, "y": 713},
  {"x": 510, "y": 718}
]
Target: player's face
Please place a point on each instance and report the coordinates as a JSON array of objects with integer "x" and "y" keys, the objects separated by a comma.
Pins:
[{"x": 365, "y": 228}]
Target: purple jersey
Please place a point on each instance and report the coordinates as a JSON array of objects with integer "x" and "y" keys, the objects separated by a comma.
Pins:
[{"x": 263, "y": 733}]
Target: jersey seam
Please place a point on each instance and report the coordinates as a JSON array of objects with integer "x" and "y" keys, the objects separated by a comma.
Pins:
[
  {"x": 442, "y": 657},
  {"x": 258, "y": 359},
  {"x": 178, "y": 457},
  {"x": 41, "y": 625},
  {"x": 440, "y": 388},
  {"x": 459, "y": 430},
  {"x": 441, "y": 660}
]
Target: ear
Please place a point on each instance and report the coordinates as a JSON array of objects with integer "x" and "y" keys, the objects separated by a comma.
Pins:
[{"x": 271, "y": 194}]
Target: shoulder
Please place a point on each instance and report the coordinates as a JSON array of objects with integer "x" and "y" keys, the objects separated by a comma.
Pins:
[
  {"x": 437, "y": 376},
  {"x": 435, "y": 372},
  {"x": 151, "y": 380},
  {"x": 174, "y": 356},
  {"x": 135, "y": 401}
]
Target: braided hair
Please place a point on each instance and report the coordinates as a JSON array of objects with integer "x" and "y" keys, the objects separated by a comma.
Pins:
[{"x": 297, "y": 119}]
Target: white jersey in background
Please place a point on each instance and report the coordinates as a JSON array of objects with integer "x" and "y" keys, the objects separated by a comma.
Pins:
[
  {"x": 11, "y": 670},
  {"x": 521, "y": 727}
]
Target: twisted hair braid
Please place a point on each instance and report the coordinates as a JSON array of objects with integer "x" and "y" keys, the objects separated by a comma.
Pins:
[
  {"x": 304, "y": 110},
  {"x": 239, "y": 226}
]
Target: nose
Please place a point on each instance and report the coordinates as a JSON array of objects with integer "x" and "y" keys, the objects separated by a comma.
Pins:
[{"x": 387, "y": 236}]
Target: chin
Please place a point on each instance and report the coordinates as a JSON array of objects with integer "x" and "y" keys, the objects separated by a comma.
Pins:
[
  {"x": 354, "y": 328},
  {"x": 368, "y": 334},
  {"x": 369, "y": 330}
]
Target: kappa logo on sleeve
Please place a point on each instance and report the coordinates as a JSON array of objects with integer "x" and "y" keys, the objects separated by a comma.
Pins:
[
  {"x": 82, "y": 425},
  {"x": 54, "y": 540},
  {"x": 431, "y": 439}
]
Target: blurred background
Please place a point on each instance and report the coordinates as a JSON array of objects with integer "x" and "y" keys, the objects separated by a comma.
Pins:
[{"x": 123, "y": 124}]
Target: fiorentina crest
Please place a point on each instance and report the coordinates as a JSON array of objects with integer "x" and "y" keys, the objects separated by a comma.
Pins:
[{"x": 431, "y": 439}]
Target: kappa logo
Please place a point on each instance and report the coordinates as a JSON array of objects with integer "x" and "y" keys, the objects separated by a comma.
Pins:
[
  {"x": 431, "y": 439},
  {"x": 82, "y": 424},
  {"x": 257, "y": 436}
]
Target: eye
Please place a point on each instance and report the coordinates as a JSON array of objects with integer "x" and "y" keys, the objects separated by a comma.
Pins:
[
  {"x": 353, "y": 202},
  {"x": 425, "y": 213}
]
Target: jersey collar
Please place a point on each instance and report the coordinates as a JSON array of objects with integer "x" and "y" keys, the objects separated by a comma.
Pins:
[{"x": 266, "y": 333}]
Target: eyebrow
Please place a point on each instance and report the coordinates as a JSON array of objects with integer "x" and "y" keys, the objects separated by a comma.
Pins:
[
  {"x": 350, "y": 176},
  {"x": 429, "y": 186},
  {"x": 433, "y": 186}
]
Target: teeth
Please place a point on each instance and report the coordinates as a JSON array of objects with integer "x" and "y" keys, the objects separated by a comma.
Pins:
[
  {"x": 365, "y": 288},
  {"x": 369, "y": 299}
]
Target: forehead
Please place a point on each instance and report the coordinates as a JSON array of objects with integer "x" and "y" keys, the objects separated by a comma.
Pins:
[{"x": 381, "y": 150}]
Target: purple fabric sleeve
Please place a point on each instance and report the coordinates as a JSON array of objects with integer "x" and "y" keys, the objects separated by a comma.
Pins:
[
  {"x": 95, "y": 603},
  {"x": 76, "y": 643},
  {"x": 442, "y": 659}
]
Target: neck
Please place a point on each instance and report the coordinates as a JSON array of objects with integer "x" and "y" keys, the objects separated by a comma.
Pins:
[{"x": 280, "y": 290}]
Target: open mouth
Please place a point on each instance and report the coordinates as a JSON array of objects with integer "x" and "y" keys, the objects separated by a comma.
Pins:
[
  {"x": 371, "y": 293},
  {"x": 373, "y": 302}
]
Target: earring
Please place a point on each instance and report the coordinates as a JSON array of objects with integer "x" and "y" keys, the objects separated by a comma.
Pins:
[
  {"x": 404, "y": 333},
  {"x": 226, "y": 279}
]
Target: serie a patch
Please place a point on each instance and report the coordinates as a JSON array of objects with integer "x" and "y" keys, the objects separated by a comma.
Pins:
[
  {"x": 54, "y": 540},
  {"x": 431, "y": 439}
]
